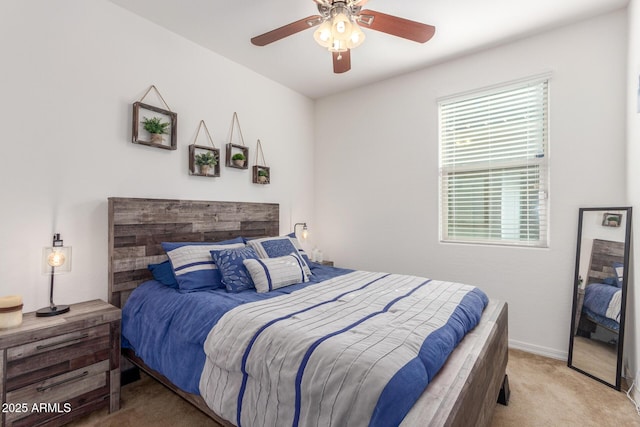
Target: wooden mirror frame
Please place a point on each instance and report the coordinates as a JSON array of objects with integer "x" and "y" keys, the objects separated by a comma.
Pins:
[{"x": 576, "y": 285}]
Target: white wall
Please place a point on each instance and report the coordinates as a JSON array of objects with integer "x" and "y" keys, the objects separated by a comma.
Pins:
[
  {"x": 632, "y": 333},
  {"x": 382, "y": 140},
  {"x": 70, "y": 71}
]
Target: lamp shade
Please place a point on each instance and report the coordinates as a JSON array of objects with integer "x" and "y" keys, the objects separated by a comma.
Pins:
[
  {"x": 356, "y": 38},
  {"x": 56, "y": 259},
  {"x": 341, "y": 26},
  {"x": 305, "y": 230},
  {"x": 323, "y": 34}
]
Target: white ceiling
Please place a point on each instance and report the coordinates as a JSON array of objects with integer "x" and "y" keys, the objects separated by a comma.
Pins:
[{"x": 462, "y": 26}]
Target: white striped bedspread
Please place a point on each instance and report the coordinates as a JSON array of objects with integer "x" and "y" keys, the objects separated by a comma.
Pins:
[{"x": 356, "y": 350}]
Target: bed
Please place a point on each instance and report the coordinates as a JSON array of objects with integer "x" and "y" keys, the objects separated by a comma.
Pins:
[
  {"x": 603, "y": 292},
  {"x": 465, "y": 389}
]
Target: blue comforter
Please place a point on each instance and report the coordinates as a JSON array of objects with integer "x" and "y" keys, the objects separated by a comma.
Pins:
[
  {"x": 167, "y": 328},
  {"x": 602, "y": 304}
]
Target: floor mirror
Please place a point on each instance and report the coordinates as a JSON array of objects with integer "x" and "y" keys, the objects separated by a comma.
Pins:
[{"x": 600, "y": 293}]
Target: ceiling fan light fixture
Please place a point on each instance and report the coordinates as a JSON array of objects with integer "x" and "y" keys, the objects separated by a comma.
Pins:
[
  {"x": 340, "y": 23},
  {"x": 323, "y": 34},
  {"x": 356, "y": 38}
]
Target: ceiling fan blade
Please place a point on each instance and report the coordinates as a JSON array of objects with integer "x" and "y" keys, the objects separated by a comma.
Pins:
[
  {"x": 396, "y": 26},
  {"x": 286, "y": 30},
  {"x": 341, "y": 61}
]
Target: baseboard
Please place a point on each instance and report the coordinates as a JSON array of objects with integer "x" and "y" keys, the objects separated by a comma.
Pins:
[{"x": 539, "y": 350}]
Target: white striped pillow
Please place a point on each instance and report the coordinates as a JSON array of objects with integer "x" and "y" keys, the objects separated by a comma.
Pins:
[
  {"x": 193, "y": 266},
  {"x": 273, "y": 273},
  {"x": 272, "y": 247}
]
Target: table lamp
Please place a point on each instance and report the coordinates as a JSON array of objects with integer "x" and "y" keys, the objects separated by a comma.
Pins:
[{"x": 56, "y": 259}]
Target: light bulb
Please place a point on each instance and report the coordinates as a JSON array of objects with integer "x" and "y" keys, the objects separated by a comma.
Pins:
[{"x": 56, "y": 259}]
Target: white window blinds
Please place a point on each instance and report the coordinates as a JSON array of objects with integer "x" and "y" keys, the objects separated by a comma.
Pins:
[{"x": 493, "y": 166}]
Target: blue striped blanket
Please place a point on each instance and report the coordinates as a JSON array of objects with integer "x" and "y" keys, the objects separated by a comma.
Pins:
[{"x": 355, "y": 350}]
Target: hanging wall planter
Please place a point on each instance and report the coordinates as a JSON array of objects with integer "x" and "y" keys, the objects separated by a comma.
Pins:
[
  {"x": 154, "y": 126},
  {"x": 204, "y": 160},
  {"x": 237, "y": 154},
  {"x": 261, "y": 173}
]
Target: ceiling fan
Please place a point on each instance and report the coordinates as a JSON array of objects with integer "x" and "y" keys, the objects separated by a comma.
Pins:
[{"x": 339, "y": 29}]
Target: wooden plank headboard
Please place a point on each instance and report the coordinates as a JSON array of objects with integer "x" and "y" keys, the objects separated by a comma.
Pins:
[
  {"x": 138, "y": 226},
  {"x": 603, "y": 254}
]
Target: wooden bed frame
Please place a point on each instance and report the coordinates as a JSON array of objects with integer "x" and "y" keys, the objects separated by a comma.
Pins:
[{"x": 463, "y": 393}]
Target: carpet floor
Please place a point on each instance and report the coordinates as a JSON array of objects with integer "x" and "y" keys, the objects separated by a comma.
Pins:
[{"x": 544, "y": 392}]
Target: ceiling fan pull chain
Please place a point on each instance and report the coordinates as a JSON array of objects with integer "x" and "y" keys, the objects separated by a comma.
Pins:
[
  {"x": 157, "y": 92},
  {"x": 233, "y": 122}
]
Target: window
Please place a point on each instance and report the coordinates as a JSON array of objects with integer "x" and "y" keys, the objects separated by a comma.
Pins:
[{"x": 493, "y": 166}]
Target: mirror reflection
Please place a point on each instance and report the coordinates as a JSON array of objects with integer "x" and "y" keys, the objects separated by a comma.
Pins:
[{"x": 600, "y": 284}]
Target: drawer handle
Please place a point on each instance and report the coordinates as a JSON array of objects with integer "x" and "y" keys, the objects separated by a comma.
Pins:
[
  {"x": 43, "y": 346},
  {"x": 68, "y": 380}
]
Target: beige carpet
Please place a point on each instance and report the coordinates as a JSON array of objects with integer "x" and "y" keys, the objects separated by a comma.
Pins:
[{"x": 544, "y": 392}]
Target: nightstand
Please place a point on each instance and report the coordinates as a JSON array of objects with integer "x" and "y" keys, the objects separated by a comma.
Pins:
[{"x": 56, "y": 369}]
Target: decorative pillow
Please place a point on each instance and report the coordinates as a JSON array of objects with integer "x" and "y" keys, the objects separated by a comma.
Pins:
[
  {"x": 163, "y": 273},
  {"x": 273, "y": 247},
  {"x": 611, "y": 281},
  {"x": 619, "y": 269},
  {"x": 273, "y": 273},
  {"x": 192, "y": 263},
  {"x": 235, "y": 276}
]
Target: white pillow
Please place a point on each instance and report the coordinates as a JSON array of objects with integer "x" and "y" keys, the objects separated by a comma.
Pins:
[{"x": 273, "y": 273}]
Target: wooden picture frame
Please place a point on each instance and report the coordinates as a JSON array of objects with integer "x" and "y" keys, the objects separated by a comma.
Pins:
[
  {"x": 259, "y": 176},
  {"x": 193, "y": 167},
  {"x": 233, "y": 149},
  {"x": 141, "y": 136},
  {"x": 611, "y": 219}
]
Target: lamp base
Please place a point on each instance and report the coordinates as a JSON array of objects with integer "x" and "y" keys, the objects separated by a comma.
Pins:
[{"x": 48, "y": 311}]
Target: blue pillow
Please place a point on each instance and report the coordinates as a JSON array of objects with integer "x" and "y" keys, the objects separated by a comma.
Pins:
[
  {"x": 192, "y": 263},
  {"x": 235, "y": 276},
  {"x": 163, "y": 273},
  {"x": 618, "y": 267},
  {"x": 274, "y": 247},
  {"x": 611, "y": 281}
]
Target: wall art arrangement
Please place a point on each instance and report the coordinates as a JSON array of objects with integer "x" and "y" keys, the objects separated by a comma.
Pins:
[
  {"x": 261, "y": 172},
  {"x": 237, "y": 154},
  {"x": 204, "y": 160},
  {"x": 157, "y": 127},
  {"x": 154, "y": 126}
]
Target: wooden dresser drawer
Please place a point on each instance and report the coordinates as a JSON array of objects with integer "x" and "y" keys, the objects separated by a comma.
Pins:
[
  {"x": 43, "y": 359},
  {"x": 58, "y": 392}
]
